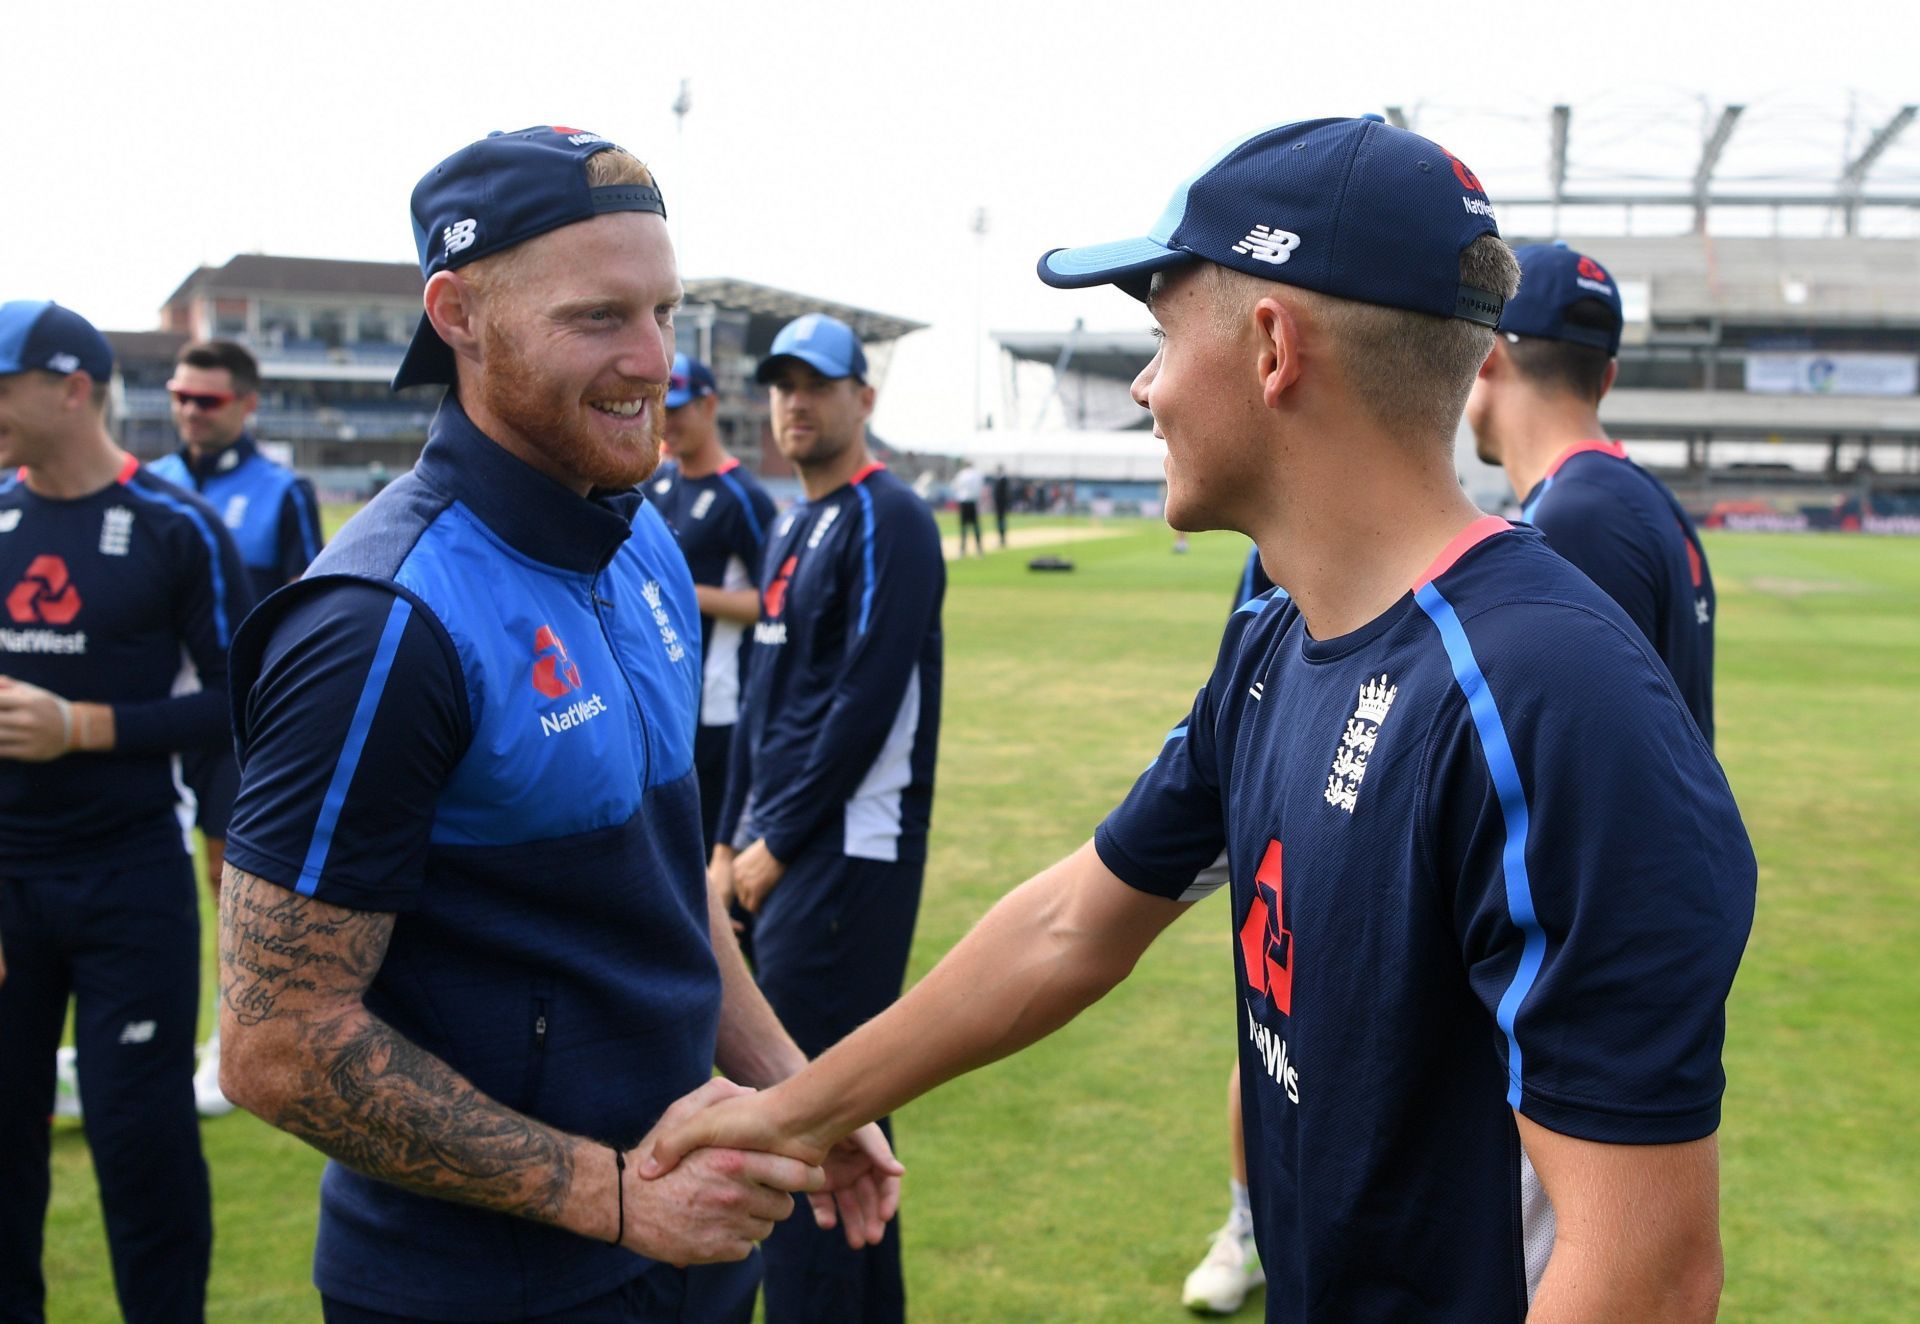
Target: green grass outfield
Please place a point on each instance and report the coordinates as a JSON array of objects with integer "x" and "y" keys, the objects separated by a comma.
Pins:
[{"x": 1079, "y": 1180}]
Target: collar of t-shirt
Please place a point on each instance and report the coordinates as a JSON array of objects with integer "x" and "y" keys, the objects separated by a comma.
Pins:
[
  {"x": 1613, "y": 448},
  {"x": 522, "y": 506},
  {"x": 223, "y": 461}
]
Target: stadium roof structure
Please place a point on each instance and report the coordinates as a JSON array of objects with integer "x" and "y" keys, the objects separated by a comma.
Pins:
[
  {"x": 776, "y": 307},
  {"x": 1814, "y": 161},
  {"x": 262, "y": 273}
]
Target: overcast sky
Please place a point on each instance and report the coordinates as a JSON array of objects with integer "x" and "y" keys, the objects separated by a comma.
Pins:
[{"x": 841, "y": 150}]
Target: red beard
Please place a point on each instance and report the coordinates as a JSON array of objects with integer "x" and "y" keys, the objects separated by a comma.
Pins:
[{"x": 515, "y": 392}]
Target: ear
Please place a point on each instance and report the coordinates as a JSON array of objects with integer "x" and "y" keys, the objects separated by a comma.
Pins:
[
  {"x": 1606, "y": 379},
  {"x": 76, "y": 392},
  {"x": 1278, "y": 346},
  {"x": 451, "y": 308},
  {"x": 867, "y": 395},
  {"x": 1488, "y": 367}
]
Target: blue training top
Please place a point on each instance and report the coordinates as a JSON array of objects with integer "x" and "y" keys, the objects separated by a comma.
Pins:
[
  {"x": 477, "y": 711},
  {"x": 837, "y": 735},
  {"x": 117, "y": 597},
  {"x": 269, "y": 509},
  {"x": 1619, "y": 524},
  {"x": 1481, "y": 860},
  {"x": 722, "y": 521}
]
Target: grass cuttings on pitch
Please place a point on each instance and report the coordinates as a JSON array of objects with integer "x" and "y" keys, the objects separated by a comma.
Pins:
[{"x": 1079, "y": 1181}]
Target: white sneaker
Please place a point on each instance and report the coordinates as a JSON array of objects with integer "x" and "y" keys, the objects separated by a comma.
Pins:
[
  {"x": 1230, "y": 1271},
  {"x": 206, "y": 1081},
  {"x": 66, "y": 1085}
]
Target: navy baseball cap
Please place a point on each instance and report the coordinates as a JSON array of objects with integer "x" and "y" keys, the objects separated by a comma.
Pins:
[
  {"x": 1354, "y": 208},
  {"x": 1553, "y": 278},
  {"x": 826, "y": 343},
  {"x": 501, "y": 191},
  {"x": 692, "y": 380},
  {"x": 36, "y": 333}
]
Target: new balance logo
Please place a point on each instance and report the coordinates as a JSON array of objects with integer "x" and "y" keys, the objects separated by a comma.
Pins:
[
  {"x": 63, "y": 363},
  {"x": 116, "y": 531},
  {"x": 1264, "y": 244},
  {"x": 459, "y": 235},
  {"x": 1258, "y": 690},
  {"x": 44, "y": 595},
  {"x": 9, "y": 520},
  {"x": 138, "y": 1032}
]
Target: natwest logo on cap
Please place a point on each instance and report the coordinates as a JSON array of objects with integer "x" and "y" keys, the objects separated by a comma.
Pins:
[
  {"x": 578, "y": 137},
  {"x": 1460, "y": 172},
  {"x": 1593, "y": 270},
  {"x": 44, "y": 595},
  {"x": 554, "y": 673}
]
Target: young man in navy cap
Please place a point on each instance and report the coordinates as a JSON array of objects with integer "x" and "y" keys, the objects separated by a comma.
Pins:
[
  {"x": 273, "y": 517},
  {"x": 467, "y": 946},
  {"x": 721, "y": 515},
  {"x": 1535, "y": 412},
  {"x": 110, "y": 577},
  {"x": 832, "y": 781},
  {"x": 1473, "y": 996}
]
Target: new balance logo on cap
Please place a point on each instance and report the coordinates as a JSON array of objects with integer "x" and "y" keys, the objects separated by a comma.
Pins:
[
  {"x": 1263, "y": 244},
  {"x": 63, "y": 363},
  {"x": 459, "y": 235}
]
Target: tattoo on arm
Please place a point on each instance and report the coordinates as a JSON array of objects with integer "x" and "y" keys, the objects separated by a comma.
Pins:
[{"x": 293, "y": 971}]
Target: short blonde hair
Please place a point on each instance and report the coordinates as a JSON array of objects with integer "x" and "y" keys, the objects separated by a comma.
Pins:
[{"x": 1410, "y": 371}]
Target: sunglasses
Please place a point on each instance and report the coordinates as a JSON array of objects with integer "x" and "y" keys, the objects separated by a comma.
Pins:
[{"x": 205, "y": 400}]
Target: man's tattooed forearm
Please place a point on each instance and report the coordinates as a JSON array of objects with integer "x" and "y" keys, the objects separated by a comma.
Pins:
[
  {"x": 352, "y": 1086},
  {"x": 385, "y": 1106}
]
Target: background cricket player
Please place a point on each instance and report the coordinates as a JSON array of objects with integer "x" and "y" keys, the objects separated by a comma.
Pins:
[
  {"x": 1535, "y": 412},
  {"x": 831, "y": 788},
  {"x": 275, "y": 521},
  {"x": 111, "y": 577},
  {"x": 720, "y": 514}
]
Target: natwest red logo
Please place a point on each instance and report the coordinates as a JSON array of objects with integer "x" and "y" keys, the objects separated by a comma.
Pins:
[
  {"x": 1460, "y": 172},
  {"x": 554, "y": 673},
  {"x": 1593, "y": 270},
  {"x": 45, "y": 595},
  {"x": 775, "y": 598},
  {"x": 1266, "y": 943}
]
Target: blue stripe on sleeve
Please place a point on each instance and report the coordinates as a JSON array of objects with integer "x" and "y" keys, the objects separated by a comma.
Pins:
[
  {"x": 866, "y": 548},
  {"x": 746, "y": 508},
  {"x": 1527, "y": 511},
  {"x": 356, "y": 742},
  {"x": 1513, "y": 809},
  {"x": 221, "y": 628}
]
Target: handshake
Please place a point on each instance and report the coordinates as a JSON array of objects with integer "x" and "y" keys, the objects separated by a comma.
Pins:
[{"x": 715, "y": 1174}]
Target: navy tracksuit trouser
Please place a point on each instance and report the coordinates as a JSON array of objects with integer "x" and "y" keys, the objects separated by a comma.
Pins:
[
  {"x": 830, "y": 951},
  {"x": 125, "y": 945}
]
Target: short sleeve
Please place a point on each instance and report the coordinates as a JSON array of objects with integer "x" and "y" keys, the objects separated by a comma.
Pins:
[
  {"x": 1600, "y": 880},
  {"x": 352, "y": 716},
  {"x": 1171, "y": 826}
]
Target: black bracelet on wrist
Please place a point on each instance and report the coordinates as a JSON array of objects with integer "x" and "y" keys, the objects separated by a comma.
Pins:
[{"x": 620, "y": 1188}]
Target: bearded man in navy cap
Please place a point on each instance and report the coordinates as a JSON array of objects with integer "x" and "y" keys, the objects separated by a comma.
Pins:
[
  {"x": 466, "y": 943},
  {"x": 1480, "y": 1006}
]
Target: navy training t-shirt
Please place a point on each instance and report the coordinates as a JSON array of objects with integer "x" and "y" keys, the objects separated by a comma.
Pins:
[
  {"x": 1482, "y": 859},
  {"x": 477, "y": 712},
  {"x": 838, "y": 732},
  {"x": 128, "y": 596},
  {"x": 1621, "y": 525},
  {"x": 721, "y": 521}
]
